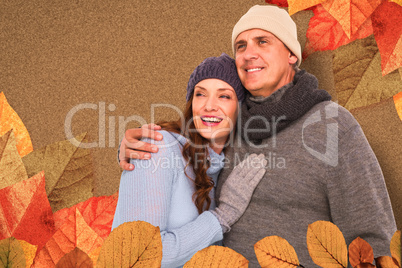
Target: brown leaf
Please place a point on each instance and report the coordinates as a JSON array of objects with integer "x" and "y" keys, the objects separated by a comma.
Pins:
[
  {"x": 326, "y": 245},
  {"x": 274, "y": 251},
  {"x": 94, "y": 255},
  {"x": 357, "y": 75},
  {"x": 396, "y": 247},
  {"x": 26, "y": 213},
  {"x": 69, "y": 172},
  {"x": 360, "y": 252},
  {"x": 386, "y": 262},
  {"x": 11, "y": 253},
  {"x": 29, "y": 252},
  {"x": 75, "y": 259},
  {"x": 132, "y": 243},
  {"x": 12, "y": 169},
  {"x": 217, "y": 256},
  {"x": 9, "y": 119},
  {"x": 75, "y": 232}
]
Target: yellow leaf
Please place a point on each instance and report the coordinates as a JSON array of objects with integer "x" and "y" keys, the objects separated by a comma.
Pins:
[
  {"x": 386, "y": 262},
  {"x": 75, "y": 259},
  {"x": 274, "y": 251},
  {"x": 357, "y": 75},
  {"x": 326, "y": 245},
  {"x": 11, "y": 253},
  {"x": 68, "y": 169},
  {"x": 132, "y": 243},
  {"x": 29, "y": 251},
  {"x": 12, "y": 169},
  {"x": 398, "y": 104},
  {"x": 9, "y": 119},
  {"x": 299, "y": 5},
  {"x": 360, "y": 252},
  {"x": 396, "y": 247},
  {"x": 217, "y": 256}
]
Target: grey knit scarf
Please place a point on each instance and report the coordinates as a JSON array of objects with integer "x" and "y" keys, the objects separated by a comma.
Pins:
[{"x": 297, "y": 99}]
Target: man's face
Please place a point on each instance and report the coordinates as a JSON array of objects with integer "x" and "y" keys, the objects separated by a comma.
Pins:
[{"x": 263, "y": 62}]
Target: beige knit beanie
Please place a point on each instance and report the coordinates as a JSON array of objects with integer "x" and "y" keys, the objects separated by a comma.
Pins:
[{"x": 271, "y": 19}]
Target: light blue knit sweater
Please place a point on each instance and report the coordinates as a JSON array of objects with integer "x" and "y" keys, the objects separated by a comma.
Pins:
[{"x": 157, "y": 191}]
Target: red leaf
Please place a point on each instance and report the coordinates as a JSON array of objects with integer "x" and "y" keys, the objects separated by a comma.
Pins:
[
  {"x": 325, "y": 33},
  {"x": 98, "y": 212},
  {"x": 25, "y": 212},
  {"x": 75, "y": 232},
  {"x": 281, "y": 3},
  {"x": 388, "y": 35},
  {"x": 351, "y": 14}
]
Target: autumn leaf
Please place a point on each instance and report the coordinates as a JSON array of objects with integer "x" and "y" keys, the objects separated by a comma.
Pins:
[
  {"x": 396, "y": 247},
  {"x": 274, "y": 251},
  {"x": 11, "y": 253},
  {"x": 386, "y": 262},
  {"x": 388, "y": 34},
  {"x": 325, "y": 33},
  {"x": 326, "y": 245},
  {"x": 132, "y": 243},
  {"x": 398, "y": 104},
  {"x": 69, "y": 172},
  {"x": 25, "y": 212},
  {"x": 98, "y": 212},
  {"x": 360, "y": 252},
  {"x": 357, "y": 75},
  {"x": 75, "y": 259},
  {"x": 12, "y": 169},
  {"x": 281, "y": 3},
  {"x": 9, "y": 119},
  {"x": 29, "y": 252},
  {"x": 351, "y": 14},
  {"x": 94, "y": 255},
  {"x": 297, "y": 5},
  {"x": 217, "y": 256},
  {"x": 75, "y": 232},
  {"x": 399, "y": 2}
]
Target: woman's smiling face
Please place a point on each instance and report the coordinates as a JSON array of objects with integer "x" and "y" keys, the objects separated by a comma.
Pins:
[{"x": 215, "y": 110}]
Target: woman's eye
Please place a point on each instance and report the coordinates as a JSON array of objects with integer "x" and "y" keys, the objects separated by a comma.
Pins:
[{"x": 226, "y": 97}]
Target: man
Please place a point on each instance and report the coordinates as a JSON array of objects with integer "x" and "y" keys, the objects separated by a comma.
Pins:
[{"x": 321, "y": 166}]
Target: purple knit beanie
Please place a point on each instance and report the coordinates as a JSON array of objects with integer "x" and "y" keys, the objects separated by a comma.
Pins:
[{"x": 223, "y": 68}]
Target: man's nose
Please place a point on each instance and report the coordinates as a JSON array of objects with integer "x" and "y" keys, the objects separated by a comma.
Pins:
[{"x": 250, "y": 52}]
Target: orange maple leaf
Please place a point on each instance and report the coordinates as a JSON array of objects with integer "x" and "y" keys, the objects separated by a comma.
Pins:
[
  {"x": 351, "y": 14},
  {"x": 25, "y": 212},
  {"x": 388, "y": 35},
  {"x": 297, "y": 5},
  {"x": 325, "y": 33},
  {"x": 75, "y": 232},
  {"x": 98, "y": 212}
]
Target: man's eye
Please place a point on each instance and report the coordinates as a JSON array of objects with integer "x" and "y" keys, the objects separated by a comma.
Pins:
[{"x": 240, "y": 47}]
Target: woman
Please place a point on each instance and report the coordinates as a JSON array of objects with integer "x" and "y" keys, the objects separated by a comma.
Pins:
[{"x": 175, "y": 188}]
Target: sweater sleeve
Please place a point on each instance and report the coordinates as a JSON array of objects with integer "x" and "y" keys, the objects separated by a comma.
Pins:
[
  {"x": 358, "y": 197},
  {"x": 145, "y": 194}
]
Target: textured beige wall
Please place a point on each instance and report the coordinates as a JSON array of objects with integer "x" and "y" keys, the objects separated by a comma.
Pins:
[{"x": 123, "y": 56}]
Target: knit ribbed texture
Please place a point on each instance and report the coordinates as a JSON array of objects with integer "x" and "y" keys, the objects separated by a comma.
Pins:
[
  {"x": 271, "y": 19},
  {"x": 294, "y": 102},
  {"x": 157, "y": 191},
  {"x": 223, "y": 68}
]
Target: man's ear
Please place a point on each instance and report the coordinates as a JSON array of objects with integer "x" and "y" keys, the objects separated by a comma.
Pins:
[{"x": 292, "y": 59}]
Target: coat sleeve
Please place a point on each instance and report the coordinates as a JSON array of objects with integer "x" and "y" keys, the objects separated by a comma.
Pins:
[
  {"x": 358, "y": 197},
  {"x": 145, "y": 194}
]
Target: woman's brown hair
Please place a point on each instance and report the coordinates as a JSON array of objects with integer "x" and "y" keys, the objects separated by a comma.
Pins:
[{"x": 195, "y": 151}]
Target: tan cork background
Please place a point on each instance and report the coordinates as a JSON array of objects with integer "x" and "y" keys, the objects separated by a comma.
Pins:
[{"x": 107, "y": 63}]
